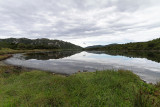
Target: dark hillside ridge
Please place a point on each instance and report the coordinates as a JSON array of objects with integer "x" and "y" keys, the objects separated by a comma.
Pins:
[
  {"x": 95, "y": 46},
  {"x": 24, "y": 43},
  {"x": 149, "y": 45}
]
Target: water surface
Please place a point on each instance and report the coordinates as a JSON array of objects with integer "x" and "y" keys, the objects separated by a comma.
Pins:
[{"x": 69, "y": 62}]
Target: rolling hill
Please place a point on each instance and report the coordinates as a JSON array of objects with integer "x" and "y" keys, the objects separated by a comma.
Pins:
[
  {"x": 149, "y": 45},
  {"x": 24, "y": 43}
]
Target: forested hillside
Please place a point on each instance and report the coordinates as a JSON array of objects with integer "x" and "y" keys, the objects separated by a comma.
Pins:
[
  {"x": 24, "y": 43},
  {"x": 150, "y": 45}
]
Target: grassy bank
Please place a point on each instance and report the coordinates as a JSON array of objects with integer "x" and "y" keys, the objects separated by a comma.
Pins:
[
  {"x": 104, "y": 88},
  {"x": 2, "y": 57},
  {"x": 4, "y": 51}
]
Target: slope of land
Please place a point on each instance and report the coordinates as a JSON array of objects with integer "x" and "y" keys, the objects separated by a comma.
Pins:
[
  {"x": 24, "y": 43},
  {"x": 150, "y": 45}
]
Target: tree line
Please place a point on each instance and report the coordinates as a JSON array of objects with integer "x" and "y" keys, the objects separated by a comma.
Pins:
[
  {"x": 150, "y": 45},
  {"x": 24, "y": 43}
]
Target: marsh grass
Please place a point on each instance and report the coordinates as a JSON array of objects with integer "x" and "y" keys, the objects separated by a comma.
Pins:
[
  {"x": 101, "y": 88},
  {"x": 2, "y": 57},
  {"x": 9, "y": 51},
  {"x": 5, "y": 51}
]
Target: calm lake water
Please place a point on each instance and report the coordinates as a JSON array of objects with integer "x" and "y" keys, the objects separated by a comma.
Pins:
[{"x": 146, "y": 66}]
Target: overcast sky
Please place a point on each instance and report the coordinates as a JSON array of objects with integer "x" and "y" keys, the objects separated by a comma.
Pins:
[{"x": 82, "y": 22}]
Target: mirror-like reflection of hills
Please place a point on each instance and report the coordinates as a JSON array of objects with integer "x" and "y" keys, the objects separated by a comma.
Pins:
[
  {"x": 50, "y": 55},
  {"x": 154, "y": 56},
  {"x": 91, "y": 61}
]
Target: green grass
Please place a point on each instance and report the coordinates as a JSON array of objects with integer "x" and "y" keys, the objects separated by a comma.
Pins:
[
  {"x": 4, "y": 51},
  {"x": 2, "y": 57},
  {"x": 11, "y": 51},
  {"x": 102, "y": 88}
]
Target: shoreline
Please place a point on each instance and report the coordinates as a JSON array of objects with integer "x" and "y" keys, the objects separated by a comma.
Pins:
[
  {"x": 85, "y": 86},
  {"x": 66, "y": 74}
]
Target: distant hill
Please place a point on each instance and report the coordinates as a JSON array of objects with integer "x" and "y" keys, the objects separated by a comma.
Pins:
[
  {"x": 149, "y": 45},
  {"x": 94, "y": 46},
  {"x": 24, "y": 43}
]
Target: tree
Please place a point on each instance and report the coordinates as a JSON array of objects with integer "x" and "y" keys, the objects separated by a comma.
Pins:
[{"x": 21, "y": 46}]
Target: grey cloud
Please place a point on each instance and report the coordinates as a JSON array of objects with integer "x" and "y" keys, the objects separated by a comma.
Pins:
[{"x": 76, "y": 19}]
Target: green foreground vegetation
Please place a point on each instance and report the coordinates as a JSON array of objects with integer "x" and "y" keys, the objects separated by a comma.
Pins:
[{"x": 18, "y": 87}]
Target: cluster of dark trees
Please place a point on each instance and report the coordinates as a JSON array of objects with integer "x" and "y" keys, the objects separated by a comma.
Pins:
[
  {"x": 24, "y": 43},
  {"x": 150, "y": 45}
]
